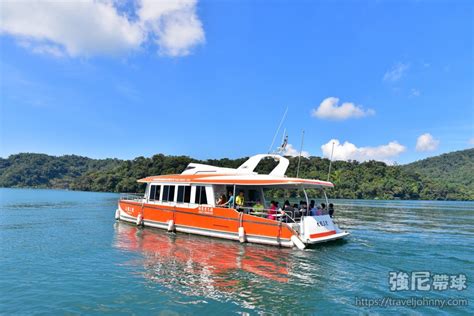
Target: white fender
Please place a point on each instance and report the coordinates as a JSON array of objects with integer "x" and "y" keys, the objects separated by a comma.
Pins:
[
  {"x": 117, "y": 214},
  {"x": 171, "y": 225},
  {"x": 242, "y": 237},
  {"x": 139, "y": 219},
  {"x": 297, "y": 242}
]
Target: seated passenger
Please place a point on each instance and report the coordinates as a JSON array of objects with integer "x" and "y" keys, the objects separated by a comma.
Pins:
[
  {"x": 303, "y": 208},
  {"x": 288, "y": 208},
  {"x": 279, "y": 211},
  {"x": 222, "y": 200},
  {"x": 296, "y": 210},
  {"x": 321, "y": 209},
  {"x": 312, "y": 204},
  {"x": 272, "y": 211},
  {"x": 258, "y": 207}
]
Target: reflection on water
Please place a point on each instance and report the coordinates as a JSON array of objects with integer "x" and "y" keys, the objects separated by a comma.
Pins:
[{"x": 205, "y": 267}]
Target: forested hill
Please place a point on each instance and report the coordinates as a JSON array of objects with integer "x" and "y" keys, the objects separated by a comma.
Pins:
[
  {"x": 448, "y": 176},
  {"x": 455, "y": 169}
]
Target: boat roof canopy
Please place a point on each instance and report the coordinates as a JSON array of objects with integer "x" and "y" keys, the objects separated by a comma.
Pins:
[
  {"x": 242, "y": 176},
  {"x": 238, "y": 179}
]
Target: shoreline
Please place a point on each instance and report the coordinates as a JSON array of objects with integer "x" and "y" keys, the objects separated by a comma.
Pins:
[{"x": 118, "y": 193}]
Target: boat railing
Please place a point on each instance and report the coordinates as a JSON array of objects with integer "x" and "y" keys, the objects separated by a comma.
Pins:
[
  {"x": 132, "y": 196},
  {"x": 278, "y": 214}
]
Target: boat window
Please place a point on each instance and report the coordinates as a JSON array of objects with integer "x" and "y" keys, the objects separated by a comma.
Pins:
[
  {"x": 201, "y": 197},
  {"x": 152, "y": 192},
  {"x": 168, "y": 193},
  {"x": 155, "y": 192},
  {"x": 187, "y": 194},
  {"x": 166, "y": 189},
  {"x": 184, "y": 194}
]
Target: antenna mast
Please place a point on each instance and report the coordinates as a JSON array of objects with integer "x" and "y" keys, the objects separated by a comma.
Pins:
[
  {"x": 276, "y": 133},
  {"x": 299, "y": 158},
  {"x": 330, "y": 162}
]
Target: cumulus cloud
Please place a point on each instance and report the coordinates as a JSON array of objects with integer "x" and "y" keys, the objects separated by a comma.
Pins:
[
  {"x": 329, "y": 109},
  {"x": 88, "y": 27},
  {"x": 396, "y": 72},
  {"x": 426, "y": 142},
  {"x": 293, "y": 152},
  {"x": 349, "y": 151},
  {"x": 175, "y": 25}
]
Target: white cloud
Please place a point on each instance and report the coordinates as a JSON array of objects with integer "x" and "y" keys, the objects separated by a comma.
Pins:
[
  {"x": 88, "y": 27},
  {"x": 293, "y": 152},
  {"x": 471, "y": 141},
  {"x": 396, "y": 72},
  {"x": 43, "y": 49},
  {"x": 175, "y": 24},
  {"x": 349, "y": 151},
  {"x": 426, "y": 142},
  {"x": 329, "y": 109},
  {"x": 415, "y": 92}
]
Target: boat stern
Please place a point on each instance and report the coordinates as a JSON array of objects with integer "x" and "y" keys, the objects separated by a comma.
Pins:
[{"x": 321, "y": 228}]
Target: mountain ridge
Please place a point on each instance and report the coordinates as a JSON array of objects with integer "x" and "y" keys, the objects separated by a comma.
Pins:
[{"x": 448, "y": 176}]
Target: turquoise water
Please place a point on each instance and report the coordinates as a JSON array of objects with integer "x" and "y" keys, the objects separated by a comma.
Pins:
[{"x": 63, "y": 253}]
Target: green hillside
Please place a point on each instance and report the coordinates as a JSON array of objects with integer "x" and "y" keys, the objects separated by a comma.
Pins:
[
  {"x": 44, "y": 171},
  {"x": 446, "y": 177},
  {"x": 455, "y": 169}
]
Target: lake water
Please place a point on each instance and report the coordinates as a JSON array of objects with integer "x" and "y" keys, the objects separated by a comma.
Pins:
[{"x": 62, "y": 252}]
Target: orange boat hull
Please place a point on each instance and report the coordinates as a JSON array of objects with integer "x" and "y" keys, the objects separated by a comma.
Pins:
[{"x": 209, "y": 221}]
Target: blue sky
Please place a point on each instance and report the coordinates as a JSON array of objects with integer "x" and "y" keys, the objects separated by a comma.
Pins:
[{"x": 391, "y": 81}]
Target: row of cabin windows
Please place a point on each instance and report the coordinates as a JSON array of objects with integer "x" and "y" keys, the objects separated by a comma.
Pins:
[{"x": 184, "y": 194}]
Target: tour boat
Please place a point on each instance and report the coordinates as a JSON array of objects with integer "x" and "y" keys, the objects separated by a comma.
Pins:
[{"x": 188, "y": 202}]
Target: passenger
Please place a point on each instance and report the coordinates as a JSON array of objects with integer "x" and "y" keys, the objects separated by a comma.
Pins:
[
  {"x": 222, "y": 200},
  {"x": 288, "y": 210},
  {"x": 230, "y": 201},
  {"x": 240, "y": 201},
  {"x": 303, "y": 208},
  {"x": 273, "y": 210},
  {"x": 279, "y": 211},
  {"x": 296, "y": 210},
  {"x": 323, "y": 209},
  {"x": 331, "y": 210},
  {"x": 258, "y": 207},
  {"x": 314, "y": 210},
  {"x": 311, "y": 204}
]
